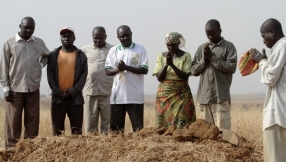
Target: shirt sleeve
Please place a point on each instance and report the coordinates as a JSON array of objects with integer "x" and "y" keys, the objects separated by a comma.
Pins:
[
  {"x": 271, "y": 69},
  {"x": 187, "y": 64},
  {"x": 4, "y": 67},
  {"x": 228, "y": 65},
  {"x": 159, "y": 65},
  {"x": 44, "y": 56},
  {"x": 110, "y": 61},
  {"x": 144, "y": 59},
  {"x": 198, "y": 63}
]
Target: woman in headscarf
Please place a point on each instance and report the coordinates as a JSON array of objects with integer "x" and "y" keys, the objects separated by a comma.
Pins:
[{"x": 174, "y": 100}]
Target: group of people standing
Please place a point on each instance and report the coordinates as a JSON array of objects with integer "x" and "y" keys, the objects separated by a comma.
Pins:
[{"x": 113, "y": 80}]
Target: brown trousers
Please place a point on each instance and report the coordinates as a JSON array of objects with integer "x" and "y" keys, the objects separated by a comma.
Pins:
[
  {"x": 29, "y": 102},
  {"x": 74, "y": 112}
]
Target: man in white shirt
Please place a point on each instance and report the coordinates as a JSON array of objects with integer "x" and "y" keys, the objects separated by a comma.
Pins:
[
  {"x": 128, "y": 63},
  {"x": 273, "y": 74}
]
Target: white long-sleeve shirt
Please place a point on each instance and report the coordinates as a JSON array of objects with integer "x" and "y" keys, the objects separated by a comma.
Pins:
[{"x": 273, "y": 74}]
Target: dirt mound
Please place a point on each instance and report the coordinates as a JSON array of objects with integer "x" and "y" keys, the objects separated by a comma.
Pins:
[
  {"x": 197, "y": 131},
  {"x": 149, "y": 144}
]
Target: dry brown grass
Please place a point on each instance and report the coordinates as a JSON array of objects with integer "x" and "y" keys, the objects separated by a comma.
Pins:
[{"x": 246, "y": 121}]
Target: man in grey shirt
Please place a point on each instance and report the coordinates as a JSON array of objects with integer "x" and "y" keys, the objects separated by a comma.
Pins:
[
  {"x": 215, "y": 61},
  {"x": 20, "y": 76},
  {"x": 98, "y": 85}
]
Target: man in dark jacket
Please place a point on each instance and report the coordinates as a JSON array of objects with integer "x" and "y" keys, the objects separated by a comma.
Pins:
[{"x": 67, "y": 71}]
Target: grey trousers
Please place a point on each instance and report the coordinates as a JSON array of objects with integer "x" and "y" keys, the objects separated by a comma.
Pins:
[
  {"x": 94, "y": 107},
  {"x": 29, "y": 102}
]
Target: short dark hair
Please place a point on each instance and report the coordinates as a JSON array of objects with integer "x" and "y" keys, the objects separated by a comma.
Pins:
[
  {"x": 213, "y": 23},
  {"x": 99, "y": 28},
  {"x": 272, "y": 24},
  {"x": 122, "y": 27}
]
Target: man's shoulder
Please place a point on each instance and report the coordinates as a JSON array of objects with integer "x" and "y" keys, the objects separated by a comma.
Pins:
[
  {"x": 228, "y": 43},
  {"x": 139, "y": 46},
  {"x": 55, "y": 51},
  {"x": 110, "y": 45},
  {"x": 11, "y": 40},
  {"x": 37, "y": 39},
  {"x": 202, "y": 45},
  {"x": 113, "y": 48},
  {"x": 86, "y": 46}
]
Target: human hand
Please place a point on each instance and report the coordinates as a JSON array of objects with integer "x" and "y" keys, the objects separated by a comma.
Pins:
[
  {"x": 121, "y": 66},
  {"x": 169, "y": 59},
  {"x": 66, "y": 94},
  {"x": 8, "y": 95},
  {"x": 207, "y": 52},
  {"x": 256, "y": 55}
]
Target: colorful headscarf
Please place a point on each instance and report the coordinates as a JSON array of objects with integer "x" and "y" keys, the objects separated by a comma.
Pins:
[{"x": 174, "y": 37}]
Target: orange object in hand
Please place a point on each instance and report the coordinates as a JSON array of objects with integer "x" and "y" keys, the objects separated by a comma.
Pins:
[{"x": 247, "y": 65}]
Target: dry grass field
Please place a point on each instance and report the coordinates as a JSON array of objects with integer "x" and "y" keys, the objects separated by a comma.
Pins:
[{"x": 246, "y": 114}]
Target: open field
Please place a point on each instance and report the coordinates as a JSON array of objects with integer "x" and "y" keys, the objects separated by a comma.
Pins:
[{"x": 246, "y": 114}]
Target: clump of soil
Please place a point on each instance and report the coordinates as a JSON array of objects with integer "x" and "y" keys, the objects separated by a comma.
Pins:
[
  {"x": 197, "y": 142},
  {"x": 197, "y": 131}
]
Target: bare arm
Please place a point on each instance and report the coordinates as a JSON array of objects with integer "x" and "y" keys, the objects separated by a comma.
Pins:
[
  {"x": 162, "y": 74},
  {"x": 111, "y": 72},
  {"x": 137, "y": 70},
  {"x": 180, "y": 73}
]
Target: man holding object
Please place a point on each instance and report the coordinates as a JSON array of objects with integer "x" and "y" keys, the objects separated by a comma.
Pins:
[{"x": 273, "y": 74}]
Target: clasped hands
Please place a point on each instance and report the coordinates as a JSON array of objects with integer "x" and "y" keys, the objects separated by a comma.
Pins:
[
  {"x": 121, "y": 66},
  {"x": 169, "y": 59},
  {"x": 65, "y": 94},
  {"x": 207, "y": 52},
  {"x": 256, "y": 55},
  {"x": 8, "y": 95}
]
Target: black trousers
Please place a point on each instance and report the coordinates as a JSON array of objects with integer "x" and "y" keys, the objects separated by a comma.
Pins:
[
  {"x": 74, "y": 112},
  {"x": 118, "y": 113}
]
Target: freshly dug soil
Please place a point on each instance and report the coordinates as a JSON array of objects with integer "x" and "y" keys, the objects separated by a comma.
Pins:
[{"x": 149, "y": 144}]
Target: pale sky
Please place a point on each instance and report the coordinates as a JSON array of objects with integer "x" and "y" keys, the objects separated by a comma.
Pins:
[{"x": 149, "y": 21}]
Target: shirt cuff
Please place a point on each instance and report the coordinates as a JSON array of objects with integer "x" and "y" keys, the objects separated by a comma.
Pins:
[
  {"x": 203, "y": 62},
  {"x": 42, "y": 65},
  {"x": 5, "y": 89},
  {"x": 213, "y": 59},
  {"x": 262, "y": 62}
]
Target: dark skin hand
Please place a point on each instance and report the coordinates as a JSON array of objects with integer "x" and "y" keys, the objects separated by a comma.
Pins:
[
  {"x": 207, "y": 52},
  {"x": 64, "y": 94},
  {"x": 169, "y": 62},
  {"x": 8, "y": 96},
  {"x": 121, "y": 66},
  {"x": 257, "y": 56}
]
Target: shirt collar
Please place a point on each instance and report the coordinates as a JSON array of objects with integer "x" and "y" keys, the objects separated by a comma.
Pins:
[
  {"x": 219, "y": 43},
  {"x": 120, "y": 47},
  {"x": 106, "y": 45},
  {"x": 279, "y": 41},
  {"x": 18, "y": 38}
]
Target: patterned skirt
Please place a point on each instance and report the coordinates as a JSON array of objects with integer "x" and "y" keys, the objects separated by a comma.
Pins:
[{"x": 175, "y": 104}]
